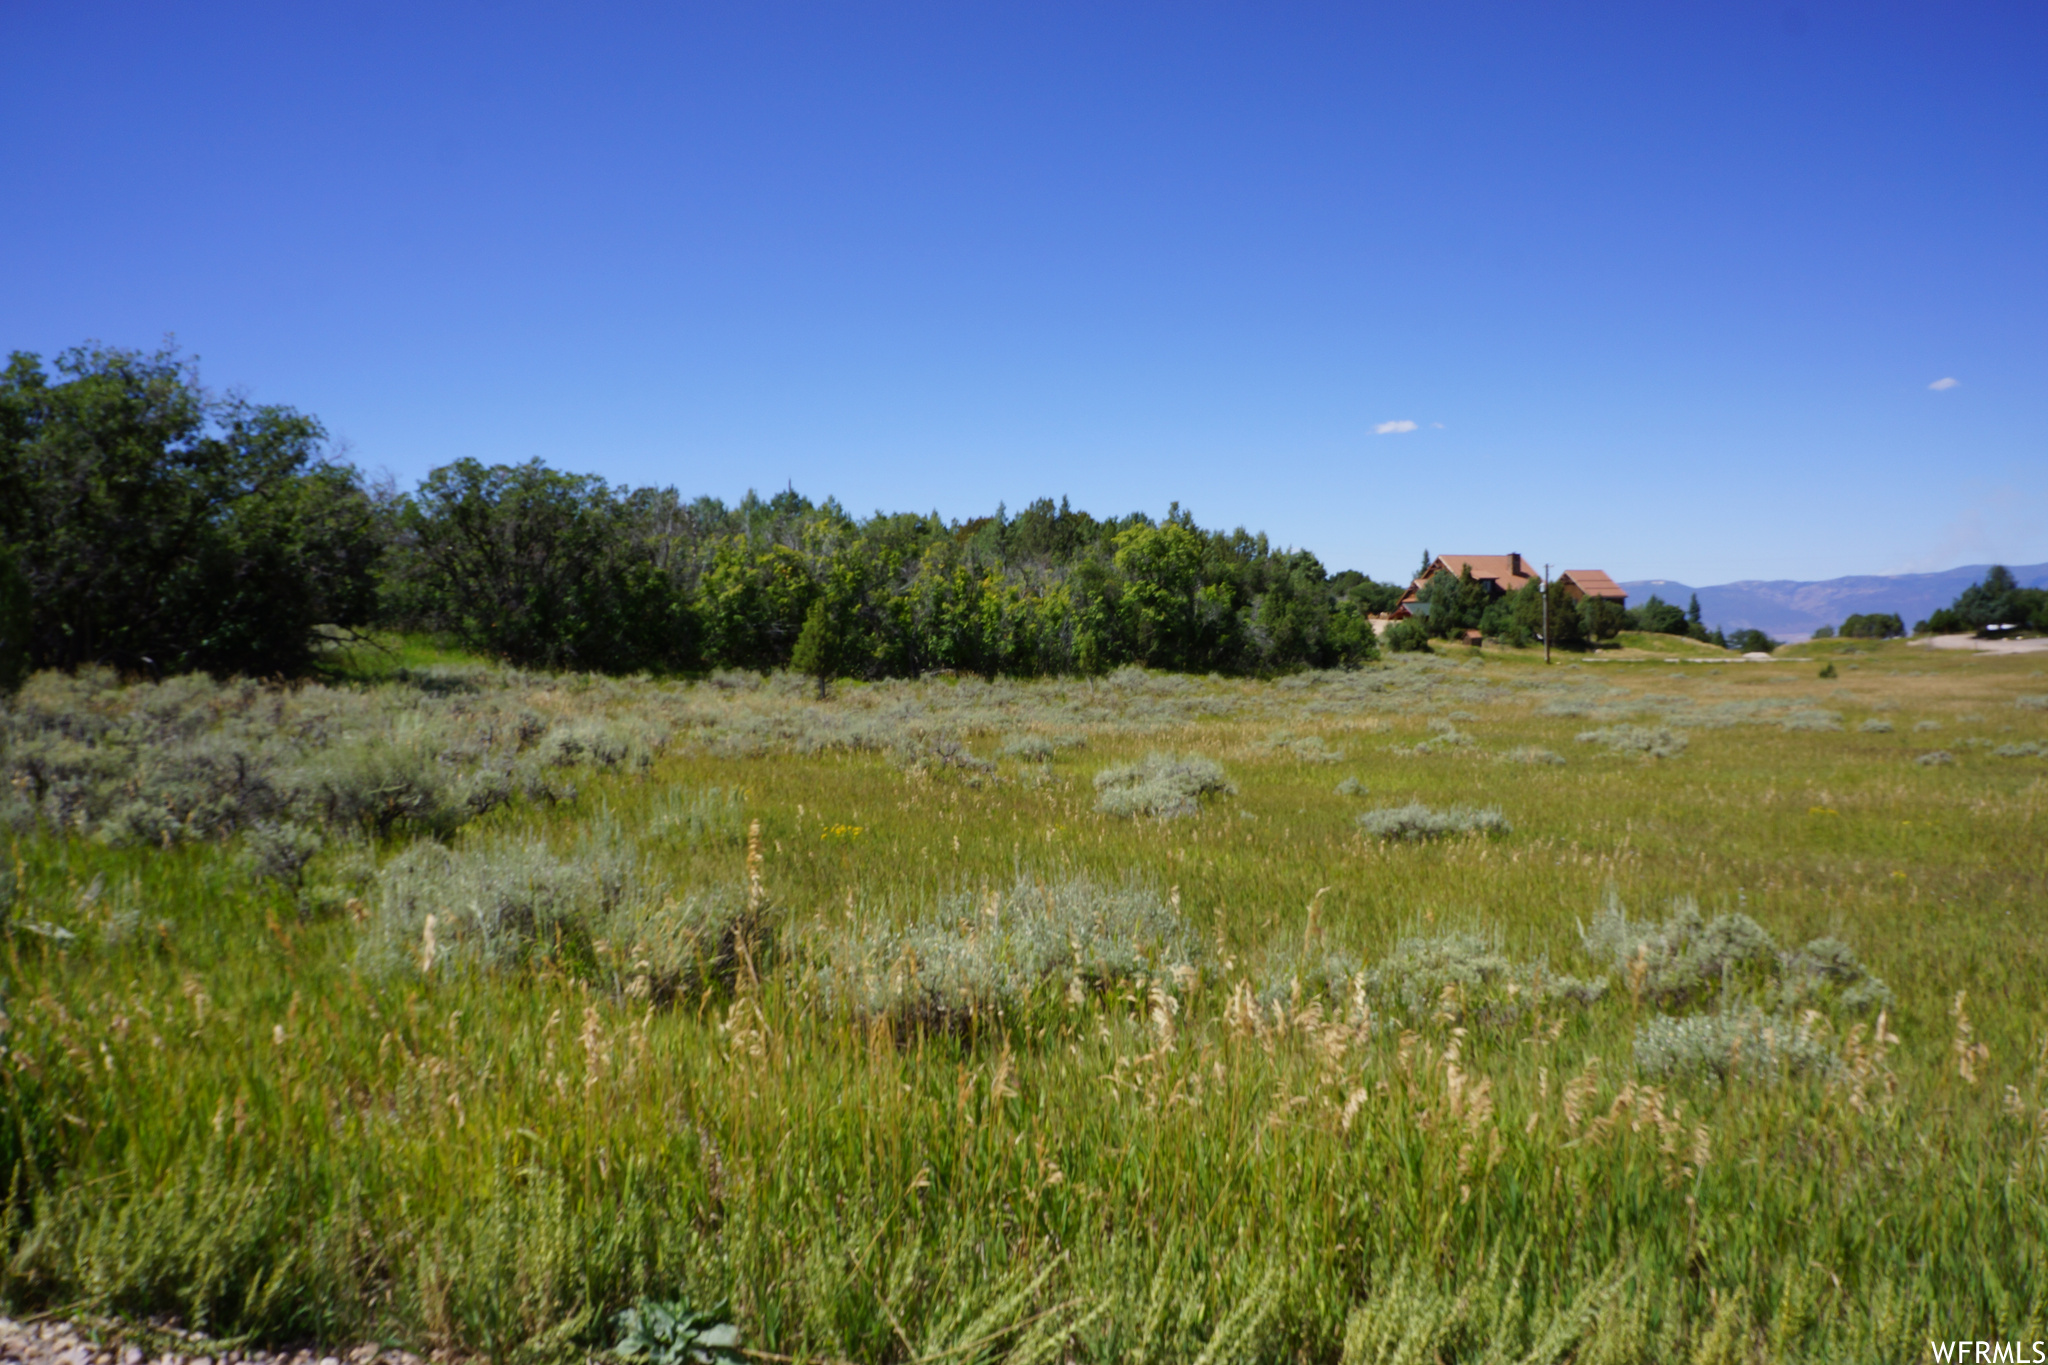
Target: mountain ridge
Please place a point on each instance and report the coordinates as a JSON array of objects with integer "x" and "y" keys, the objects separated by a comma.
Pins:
[{"x": 1794, "y": 609}]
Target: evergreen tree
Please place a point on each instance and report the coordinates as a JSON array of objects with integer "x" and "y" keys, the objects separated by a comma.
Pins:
[
  {"x": 1600, "y": 618},
  {"x": 817, "y": 645},
  {"x": 14, "y": 623},
  {"x": 1567, "y": 627}
]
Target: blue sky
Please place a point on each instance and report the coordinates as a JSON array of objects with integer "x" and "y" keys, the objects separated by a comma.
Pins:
[{"x": 1662, "y": 288}]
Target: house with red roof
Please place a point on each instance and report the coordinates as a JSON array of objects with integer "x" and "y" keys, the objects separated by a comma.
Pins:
[
  {"x": 1502, "y": 573},
  {"x": 1505, "y": 574},
  {"x": 1582, "y": 583}
]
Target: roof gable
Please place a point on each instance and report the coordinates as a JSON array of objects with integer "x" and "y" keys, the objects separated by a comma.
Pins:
[{"x": 1593, "y": 583}]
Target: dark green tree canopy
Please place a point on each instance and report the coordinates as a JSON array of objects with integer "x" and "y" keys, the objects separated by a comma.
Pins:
[
  {"x": 550, "y": 568},
  {"x": 1997, "y": 601},
  {"x": 158, "y": 527}
]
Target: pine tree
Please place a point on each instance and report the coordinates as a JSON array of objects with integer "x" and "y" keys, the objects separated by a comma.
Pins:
[{"x": 817, "y": 645}]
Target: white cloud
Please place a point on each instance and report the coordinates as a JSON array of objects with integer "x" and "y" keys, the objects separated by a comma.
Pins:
[
  {"x": 1941, "y": 384},
  {"x": 1393, "y": 428}
]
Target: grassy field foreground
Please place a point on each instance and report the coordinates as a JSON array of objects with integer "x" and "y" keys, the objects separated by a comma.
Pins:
[{"x": 458, "y": 1007}]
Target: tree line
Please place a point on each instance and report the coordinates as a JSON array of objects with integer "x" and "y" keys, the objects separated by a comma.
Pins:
[
  {"x": 151, "y": 525},
  {"x": 1995, "y": 602}
]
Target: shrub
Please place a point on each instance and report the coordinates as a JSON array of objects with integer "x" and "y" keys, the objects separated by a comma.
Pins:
[
  {"x": 1533, "y": 754},
  {"x": 382, "y": 784},
  {"x": 1482, "y": 980},
  {"x": 1935, "y": 759},
  {"x": 1415, "y": 822},
  {"x": 1873, "y": 626},
  {"x": 1031, "y": 748},
  {"x": 941, "y": 753},
  {"x": 1814, "y": 720},
  {"x": 492, "y": 908},
  {"x": 681, "y": 946},
  {"x": 279, "y": 851},
  {"x": 2032, "y": 748},
  {"x": 1688, "y": 958},
  {"x": 1926, "y": 725},
  {"x": 1655, "y": 741},
  {"x": 1314, "y": 749},
  {"x": 1827, "y": 972},
  {"x": 1874, "y": 726},
  {"x": 1744, "y": 1042},
  {"x": 1351, "y": 786},
  {"x": 1827, "y": 670},
  {"x": 1163, "y": 786},
  {"x": 1443, "y": 735},
  {"x": 973, "y": 957},
  {"x": 601, "y": 743},
  {"x": 1684, "y": 957},
  {"x": 1407, "y": 636},
  {"x": 2032, "y": 702}
]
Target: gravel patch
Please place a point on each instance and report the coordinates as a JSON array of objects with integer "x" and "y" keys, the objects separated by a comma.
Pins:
[{"x": 63, "y": 1343}]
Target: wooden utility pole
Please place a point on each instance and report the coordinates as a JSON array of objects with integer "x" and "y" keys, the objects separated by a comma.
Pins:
[{"x": 1546, "y": 613}]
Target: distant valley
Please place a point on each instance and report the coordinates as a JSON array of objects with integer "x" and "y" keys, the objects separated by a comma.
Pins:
[{"x": 1790, "y": 609}]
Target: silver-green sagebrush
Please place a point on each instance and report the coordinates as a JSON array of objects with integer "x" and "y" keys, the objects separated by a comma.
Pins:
[{"x": 472, "y": 1008}]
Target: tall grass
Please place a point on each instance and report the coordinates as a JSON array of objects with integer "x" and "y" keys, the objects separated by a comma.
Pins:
[{"x": 1247, "y": 1084}]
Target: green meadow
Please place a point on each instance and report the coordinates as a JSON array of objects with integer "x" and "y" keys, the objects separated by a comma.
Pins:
[{"x": 1133, "y": 1018}]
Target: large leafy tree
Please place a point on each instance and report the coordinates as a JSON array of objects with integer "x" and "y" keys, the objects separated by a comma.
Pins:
[
  {"x": 157, "y": 527},
  {"x": 1162, "y": 572},
  {"x": 548, "y": 568},
  {"x": 1662, "y": 618}
]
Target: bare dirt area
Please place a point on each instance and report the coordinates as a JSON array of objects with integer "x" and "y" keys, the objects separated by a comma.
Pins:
[{"x": 1976, "y": 646}]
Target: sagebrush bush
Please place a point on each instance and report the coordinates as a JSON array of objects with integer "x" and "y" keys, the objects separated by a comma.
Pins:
[
  {"x": 1690, "y": 959},
  {"x": 1162, "y": 786},
  {"x": 941, "y": 753},
  {"x": 279, "y": 850},
  {"x": 601, "y": 743},
  {"x": 1744, "y": 1042},
  {"x": 1656, "y": 741},
  {"x": 1469, "y": 974},
  {"x": 1351, "y": 786},
  {"x": 189, "y": 759},
  {"x": 679, "y": 946},
  {"x": 1534, "y": 755},
  {"x": 2032, "y": 748},
  {"x": 1416, "y": 821},
  {"x": 1935, "y": 758},
  {"x": 1682, "y": 959},
  {"x": 1874, "y": 726},
  {"x": 496, "y": 906},
  {"x": 1313, "y": 749},
  {"x": 1030, "y": 748},
  {"x": 973, "y": 956},
  {"x": 1443, "y": 735},
  {"x": 2032, "y": 702}
]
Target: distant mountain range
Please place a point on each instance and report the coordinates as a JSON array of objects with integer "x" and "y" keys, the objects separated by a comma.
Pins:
[{"x": 1792, "y": 611}]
